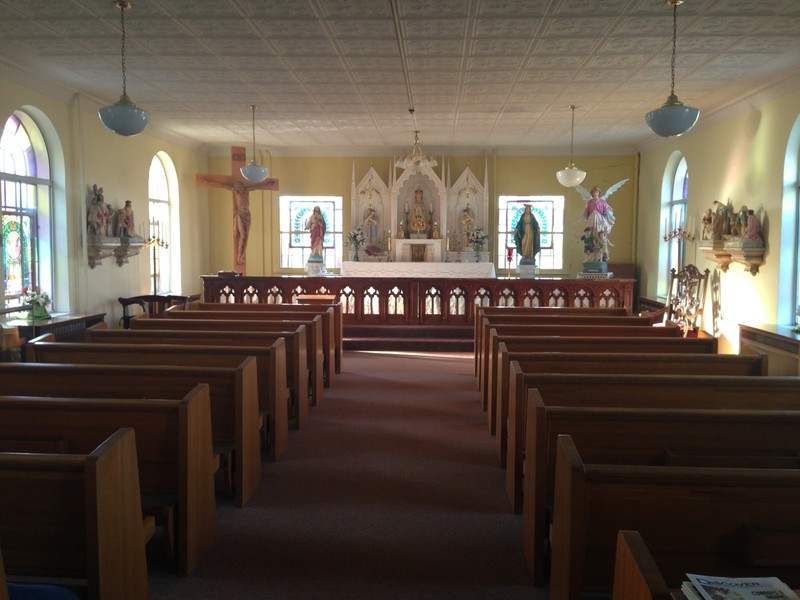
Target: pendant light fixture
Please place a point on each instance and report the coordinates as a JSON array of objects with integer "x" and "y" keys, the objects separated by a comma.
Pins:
[
  {"x": 124, "y": 117},
  {"x": 673, "y": 119},
  {"x": 253, "y": 171},
  {"x": 570, "y": 176}
]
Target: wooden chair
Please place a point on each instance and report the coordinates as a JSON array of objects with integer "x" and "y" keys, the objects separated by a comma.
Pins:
[
  {"x": 686, "y": 298},
  {"x": 151, "y": 305}
]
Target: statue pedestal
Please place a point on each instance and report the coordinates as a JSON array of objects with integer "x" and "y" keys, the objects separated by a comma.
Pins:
[
  {"x": 315, "y": 266},
  {"x": 527, "y": 271}
]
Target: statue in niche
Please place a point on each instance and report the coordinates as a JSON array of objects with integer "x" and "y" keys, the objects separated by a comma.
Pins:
[
  {"x": 467, "y": 219},
  {"x": 370, "y": 226},
  {"x": 418, "y": 217}
]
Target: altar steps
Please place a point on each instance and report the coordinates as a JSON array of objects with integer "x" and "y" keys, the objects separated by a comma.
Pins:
[{"x": 434, "y": 338}]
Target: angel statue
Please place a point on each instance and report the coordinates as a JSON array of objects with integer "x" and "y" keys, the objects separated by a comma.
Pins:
[{"x": 598, "y": 215}]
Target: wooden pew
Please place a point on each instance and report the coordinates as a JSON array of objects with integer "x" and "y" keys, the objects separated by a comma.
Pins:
[
  {"x": 488, "y": 311},
  {"x": 498, "y": 333},
  {"x": 632, "y": 390},
  {"x": 306, "y": 317},
  {"x": 609, "y": 362},
  {"x": 273, "y": 391},
  {"x": 330, "y": 301},
  {"x": 636, "y": 574},
  {"x": 76, "y": 518},
  {"x": 176, "y": 473},
  {"x": 235, "y": 420},
  {"x": 314, "y": 350},
  {"x": 335, "y": 328},
  {"x": 645, "y": 436},
  {"x": 296, "y": 362},
  {"x": 704, "y": 513},
  {"x": 527, "y": 320}
]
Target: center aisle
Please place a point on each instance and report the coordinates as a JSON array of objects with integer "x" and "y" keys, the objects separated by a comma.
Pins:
[{"x": 392, "y": 490}]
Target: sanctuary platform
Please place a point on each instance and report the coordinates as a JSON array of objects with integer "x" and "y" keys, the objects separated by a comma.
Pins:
[{"x": 406, "y": 300}]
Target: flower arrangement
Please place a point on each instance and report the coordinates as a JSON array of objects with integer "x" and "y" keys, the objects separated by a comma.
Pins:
[
  {"x": 356, "y": 238},
  {"x": 477, "y": 238},
  {"x": 35, "y": 297}
]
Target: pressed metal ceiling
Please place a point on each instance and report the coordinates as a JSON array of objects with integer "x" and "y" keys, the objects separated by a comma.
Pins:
[{"x": 339, "y": 76}]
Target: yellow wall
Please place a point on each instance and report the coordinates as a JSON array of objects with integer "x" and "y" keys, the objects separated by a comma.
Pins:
[{"x": 741, "y": 158}]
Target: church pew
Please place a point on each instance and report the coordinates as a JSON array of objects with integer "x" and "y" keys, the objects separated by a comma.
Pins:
[
  {"x": 308, "y": 319},
  {"x": 76, "y": 519},
  {"x": 644, "y": 436},
  {"x": 636, "y": 574},
  {"x": 174, "y": 453},
  {"x": 330, "y": 301},
  {"x": 313, "y": 327},
  {"x": 713, "y": 515},
  {"x": 609, "y": 362},
  {"x": 497, "y": 333},
  {"x": 488, "y": 311},
  {"x": 303, "y": 306},
  {"x": 295, "y": 341},
  {"x": 271, "y": 361},
  {"x": 488, "y": 321},
  {"x": 235, "y": 420},
  {"x": 632, "y": 390}
]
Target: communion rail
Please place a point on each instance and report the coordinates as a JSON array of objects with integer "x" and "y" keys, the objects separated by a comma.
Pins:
[{"x": 421, "y": 301}]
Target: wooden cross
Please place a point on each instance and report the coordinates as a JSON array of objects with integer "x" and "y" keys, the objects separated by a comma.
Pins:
[{"x": 240, "y": 189}]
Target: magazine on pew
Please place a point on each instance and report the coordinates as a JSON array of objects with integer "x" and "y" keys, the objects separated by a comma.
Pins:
[{"x": 709, "y": 587}]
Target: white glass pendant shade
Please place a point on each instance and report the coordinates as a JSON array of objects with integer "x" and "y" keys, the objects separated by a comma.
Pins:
[
  {"x": 570, "y": 176},
  {"x": 672, "y": 119},
  {"x": 124, "y": 117},
  {"x": 254, "y": 172}
]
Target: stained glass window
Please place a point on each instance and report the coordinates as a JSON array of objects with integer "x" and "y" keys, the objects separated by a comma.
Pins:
[
  {"x": 549, "y": 212},
  {"x": 295, "y": 244}
]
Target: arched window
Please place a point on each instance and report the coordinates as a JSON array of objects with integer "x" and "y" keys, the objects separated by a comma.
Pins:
[
  {"x": 789, "y": 279},
  {"x": 675, "y": 197},
  {"x": 162, "y": 193},
  {"x": 25, "y": 199}
]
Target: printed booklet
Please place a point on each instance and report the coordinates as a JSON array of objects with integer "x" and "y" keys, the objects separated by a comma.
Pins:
[{"x": 707, "y": 587}]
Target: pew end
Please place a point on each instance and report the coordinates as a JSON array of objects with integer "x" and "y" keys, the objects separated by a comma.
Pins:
[{"x": 636, "y": 575}]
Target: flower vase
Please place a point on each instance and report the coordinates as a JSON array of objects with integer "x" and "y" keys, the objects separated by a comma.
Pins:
[
  {"x": 38, "y": 312},
  {"x": 477, "y": 250},
  {"x": 355, "y": 255}
]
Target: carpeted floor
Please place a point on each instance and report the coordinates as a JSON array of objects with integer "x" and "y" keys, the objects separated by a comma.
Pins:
[{"x": 391, "y": 491}]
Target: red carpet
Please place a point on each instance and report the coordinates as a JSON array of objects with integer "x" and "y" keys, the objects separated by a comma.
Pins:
[{"x": 391, "y": 491}]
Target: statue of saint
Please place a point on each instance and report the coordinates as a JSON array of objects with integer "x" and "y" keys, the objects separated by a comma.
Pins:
[
  {"x": 316, "y": 225},
  {"x": 418, "y": 218},
  {"x": 526, "y": 236}
]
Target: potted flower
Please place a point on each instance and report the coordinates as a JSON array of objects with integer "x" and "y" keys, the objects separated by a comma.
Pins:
[
  {"x": 477, "y": 238},
  {"x": 356, "y": 239},
  {"x": 39, "y": 302}
]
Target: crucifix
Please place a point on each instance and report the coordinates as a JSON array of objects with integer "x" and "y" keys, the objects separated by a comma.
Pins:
[{"x": 241, "y": 189}]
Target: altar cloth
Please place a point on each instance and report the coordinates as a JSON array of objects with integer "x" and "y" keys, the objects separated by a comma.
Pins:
[{"x": 464, "y": 270}]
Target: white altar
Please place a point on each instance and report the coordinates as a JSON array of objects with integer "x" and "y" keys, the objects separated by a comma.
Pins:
[{"x": 465, "y": 270}]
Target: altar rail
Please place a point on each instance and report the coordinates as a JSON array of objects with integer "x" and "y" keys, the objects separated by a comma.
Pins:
[{"x": 415, "y": 301}]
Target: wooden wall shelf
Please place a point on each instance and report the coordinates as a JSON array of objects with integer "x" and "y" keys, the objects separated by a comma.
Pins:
[{"x": 724, "y": 252}]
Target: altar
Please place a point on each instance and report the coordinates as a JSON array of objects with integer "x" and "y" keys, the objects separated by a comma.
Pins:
[
  {"x": 429, "y": 250},
  {"x": 449, "y": 270}
]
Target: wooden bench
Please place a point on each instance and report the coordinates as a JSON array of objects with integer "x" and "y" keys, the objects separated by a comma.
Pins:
[
  {"x": 314, "y": 349},
  {"x": 712, "y": 516},
  {"x": 295, "y": 341},
  {"x": 488, "y": 311},
  {"x": 527, "y": 320},
  {"x": 176, "y": 473},
  {"x": 76, "y": 519},
  {"x": 609, "y": 362},
  {"x": 306, "y": 317},
  {"x": 497, "y": 333},
  {"x": 631, "y": 390},
  {"x": 235, "y": 419},
  {"x": 645, "y": 436},
  {"x": 329, "y": 301},
  {"x": 273, "y": 391},
  {"x": 636, "y": 574},
  {"x": 331, "y": 313}
]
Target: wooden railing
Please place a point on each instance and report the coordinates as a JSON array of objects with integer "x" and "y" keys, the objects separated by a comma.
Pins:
[{"x": 415, "y": 301}]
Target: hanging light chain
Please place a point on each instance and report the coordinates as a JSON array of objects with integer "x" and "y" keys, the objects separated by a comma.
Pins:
[
  {"x": 572, "y": 134},
  {"x": 123, "y": 4},
  {"x": 253, "y": 108},
  {"x": 674, "y": 45}
]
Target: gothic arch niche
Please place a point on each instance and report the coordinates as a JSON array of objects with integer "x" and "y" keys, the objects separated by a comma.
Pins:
[
  {"x": 372, "y": 192},
  {"x": 466, "y": 192}
]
